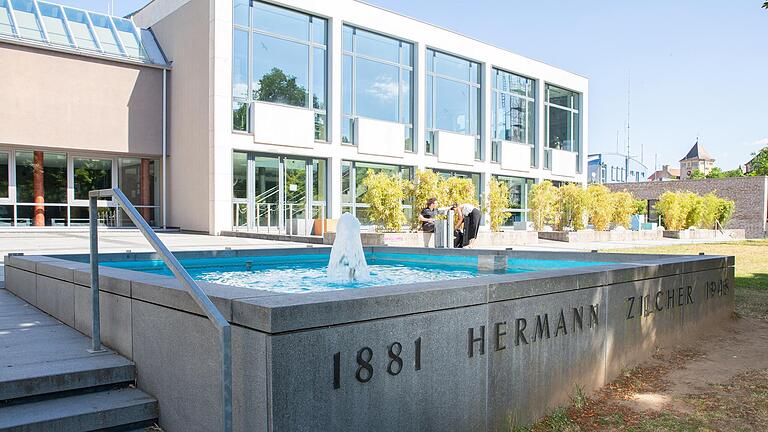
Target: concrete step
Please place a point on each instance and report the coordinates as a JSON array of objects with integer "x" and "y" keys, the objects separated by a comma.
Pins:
[
  {"x": 102, "y": 410},
  {"x": 50, "y": 377}
]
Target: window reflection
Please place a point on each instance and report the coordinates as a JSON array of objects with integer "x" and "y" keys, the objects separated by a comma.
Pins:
[
  {"x": 452, "y": 98},
  {"x": 376, "y": 81}
]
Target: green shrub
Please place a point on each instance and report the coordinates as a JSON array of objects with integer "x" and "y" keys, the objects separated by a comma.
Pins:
[
  {"x": 426, "y": 184},
  {"x": 599, "y": 206},
  {"x": 695, "y": 205},
  {"x": 641, "y": 207},
  {"x": 573, "y": 206},
  {"x": 673, "y": 210},
  {"x": 710, "y": 207},
  {"x": 385, "y": 194},
  {"x": 498, "y": 202},
  {"x": 457, "y": 190},
  {"x": 725, "y": 211},
  {"x": 543, "y": 204},
  {"x": 623, "y": 206}
]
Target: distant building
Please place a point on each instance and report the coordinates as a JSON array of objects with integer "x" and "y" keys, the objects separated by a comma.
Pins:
[
  {"x": 696, "y": 159},
  {"x": 614, "y": 168},
  {"x": 665, "y": 174}
]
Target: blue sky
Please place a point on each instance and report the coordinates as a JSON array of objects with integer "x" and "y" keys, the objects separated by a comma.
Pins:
[{"x": 698, "y": 68}]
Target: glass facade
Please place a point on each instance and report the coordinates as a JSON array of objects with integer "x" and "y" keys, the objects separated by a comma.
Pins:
[
  {"x": 513, "y": 112},
  {"x": 278, "y": 56},
  {"x": 562, "y": 119},
  {"x": 377, "y": 76},
  {"x": 278, "y": 193},
  {"x": 453, "y": 98},
  {"x": 352, "y": 188},
  {"x": 41, "y": 188},
  {"x": 518, "y": 198}
]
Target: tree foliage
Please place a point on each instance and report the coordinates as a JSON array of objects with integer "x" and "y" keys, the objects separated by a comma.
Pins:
[
  {"x": 623, "y": 207},
  {"x": 276, "y": 86},
  {"x": 498, "y": 201},
  {"x": 543, "y": 204},
  {"x": 599, "y": 206},
  {"x": 385, "y": 194},
  {"x": 759, "y": 164},
  {"x": 682, "y": 210},
  {"x": 573, "y": 205},
  {"x": 457, "y": 190},
  {"x": 696, "y": 174},
  {"x": 425, "y": 185},
  {"x": 641, "y": 207}
]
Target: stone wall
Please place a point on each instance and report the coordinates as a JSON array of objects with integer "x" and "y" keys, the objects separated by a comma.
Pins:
[
  {"x": 485, "y": 353},
  {"x": 749, "y": 193}
]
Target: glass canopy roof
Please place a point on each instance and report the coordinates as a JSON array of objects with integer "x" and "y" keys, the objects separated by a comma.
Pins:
[{"x": 78, "y": 30}]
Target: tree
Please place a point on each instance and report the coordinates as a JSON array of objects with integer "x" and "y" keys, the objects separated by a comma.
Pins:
[
  {"x": 765, "y": 5},
  {"x": 498, "y": 202},
  {"x": 426, "y": 185},
  {"x": 696, "y": 175},
  {"x": 573, "y": 204},
  {"x": 599, "y": 208},
  {"x": 544, "y": 204},
  {"x": 715, "y": 173},
  {"x": 276, "y": 86},
  {"x": 623, "y": 206},
  {"x": 759, "y": 164},
  {"x": 385, "y": 194}
]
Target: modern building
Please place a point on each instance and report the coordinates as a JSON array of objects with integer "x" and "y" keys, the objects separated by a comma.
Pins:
[
  {"x": 82, "y": 108},
  {"x": 666, "y": 173},
  {"x": 614, "y": 168},
  {"x": 696, "y": 159},
  {"x": 266, "y": 114}
]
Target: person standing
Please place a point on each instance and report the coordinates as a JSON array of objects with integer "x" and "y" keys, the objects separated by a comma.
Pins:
[
  {"x": 427, "y": 219},
  {"x": 469, "y": 220}
]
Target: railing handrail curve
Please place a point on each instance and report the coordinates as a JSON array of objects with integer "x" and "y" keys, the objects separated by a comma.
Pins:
[{"x": 198, "y": 295}]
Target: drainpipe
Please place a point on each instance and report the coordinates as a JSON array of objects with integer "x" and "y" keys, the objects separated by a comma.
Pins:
[{"x": 165, "y": 145}]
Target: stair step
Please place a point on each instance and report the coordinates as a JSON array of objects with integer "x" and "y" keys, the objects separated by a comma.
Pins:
[
  {"x": 85, "y": 412},
  {"x": 92, "y": 370}
]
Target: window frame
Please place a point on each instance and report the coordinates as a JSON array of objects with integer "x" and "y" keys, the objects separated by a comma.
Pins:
[
  {"x": 311, "y": 43},
  {"x": 432, "y": 149},
  {"x": 495, "y": 93},
  {"x": 402, "y": 67}
]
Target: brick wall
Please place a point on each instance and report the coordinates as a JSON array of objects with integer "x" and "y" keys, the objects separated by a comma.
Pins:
[{"x": 749, "y": 193}]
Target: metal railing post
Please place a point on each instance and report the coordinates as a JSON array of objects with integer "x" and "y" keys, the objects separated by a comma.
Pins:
[
  {"x": 197, "y": 294},
  {"x": 93, "y": 216}
]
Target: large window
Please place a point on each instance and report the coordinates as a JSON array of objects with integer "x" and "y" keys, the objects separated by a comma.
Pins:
[
  {"x": 52, "y": 188},
  {"x": 512, "y": 112},
  {"x": 452, "y": 98},
  {"x": 279, "y": 56},
  {"x": 352, "y": 188},
  {"x": 518, "y": 198},
  {"x": 377, "y": 74},
  {"x": 562, "y": 119}
]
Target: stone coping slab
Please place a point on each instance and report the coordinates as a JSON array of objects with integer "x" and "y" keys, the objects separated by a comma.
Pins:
[{"x": 272, "y": 312}]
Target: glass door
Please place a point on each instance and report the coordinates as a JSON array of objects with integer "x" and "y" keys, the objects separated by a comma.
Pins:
[
  {"x": 265, "y": 203},
  {"x": 295, "y": 193}
]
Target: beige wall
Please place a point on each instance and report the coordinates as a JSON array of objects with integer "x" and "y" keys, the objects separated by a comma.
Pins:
[
  {"x": 67, "y": 101},
  {"x": 184, "y": 37}
]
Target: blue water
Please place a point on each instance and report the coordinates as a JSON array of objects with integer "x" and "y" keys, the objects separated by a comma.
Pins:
[{"x": 306, "y": 272}]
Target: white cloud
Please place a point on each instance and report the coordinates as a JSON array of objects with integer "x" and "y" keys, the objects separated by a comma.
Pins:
[
  {"x": 761, "y": 142},
  {"x": 384, "y": 88}
]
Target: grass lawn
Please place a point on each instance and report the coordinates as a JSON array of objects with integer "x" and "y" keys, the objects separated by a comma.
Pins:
[{"x": 741, "y": 404}]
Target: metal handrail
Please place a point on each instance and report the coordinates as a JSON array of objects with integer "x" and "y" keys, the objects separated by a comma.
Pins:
[{"x": 202, "y": 300}]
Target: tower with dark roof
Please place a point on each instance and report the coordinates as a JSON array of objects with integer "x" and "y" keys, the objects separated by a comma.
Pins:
[{"x": 696, "y": 159}]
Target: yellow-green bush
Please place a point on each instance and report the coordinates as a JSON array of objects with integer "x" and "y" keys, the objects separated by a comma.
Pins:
[
  {"x": 498, "y": 201},
  {"x": 573, "y": 206},
  {"x": 425, "y": 185},
  {"x": 623, "y": 206},
  {"x": 599, "y": 206},
  {"x": 457, "y": 190},
  {"x": 715, "y": 210},
  {"x": 544, "y": 204},
  {"x": 641, "y": 207},
  {"x": 673, "y": 210},
  {"x": 385, "y": 194}
]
